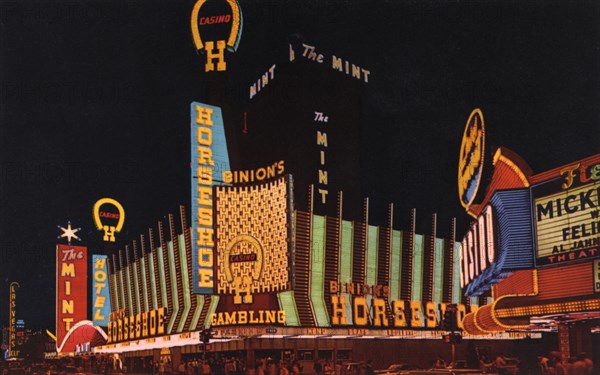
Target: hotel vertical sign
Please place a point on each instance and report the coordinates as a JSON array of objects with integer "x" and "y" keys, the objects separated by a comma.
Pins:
[
  {"x": 100, "y": 295},
  {"x": 209, "y": 159}
]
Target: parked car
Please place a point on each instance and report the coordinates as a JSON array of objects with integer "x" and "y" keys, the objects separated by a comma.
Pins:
[{"x": 397, "y": 369}]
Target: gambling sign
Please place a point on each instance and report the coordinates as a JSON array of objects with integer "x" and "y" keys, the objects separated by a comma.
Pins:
[{"x": 567, "y": 223}]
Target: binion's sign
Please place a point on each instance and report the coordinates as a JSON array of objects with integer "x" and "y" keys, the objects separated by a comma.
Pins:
[{"x": 567, "y": 215}]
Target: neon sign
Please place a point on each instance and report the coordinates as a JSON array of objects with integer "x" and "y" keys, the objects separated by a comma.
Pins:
[
  {"x": 101, "y": 296},
  {"x": 209, "y": 159},
  {"x": 13, "y": 314},
  {"x": 109, "y": 229},
  {"x": 209, "y": 31},
  {"x": 478, "y": 249},
  {"x": 71, "y": 289},
  {"x": 471, "y": 159},
  {"x": 566, "y": 214}
]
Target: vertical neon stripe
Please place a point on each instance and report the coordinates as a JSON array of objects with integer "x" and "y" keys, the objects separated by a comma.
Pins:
[
  {"x": 395, "y": 265},
  {"x": 317, "y": 274},
  {"x": 346, "y": 259},
  {"x": 371, "y": 256},
  {"x": 288, "y": 304},
  {"x": 116, "y": 304},
  {"x": 438, "y": 270},
  {"x": 122, "y": 290},
  {"x": 185, "y": 281},
  {"x": 161, "y": 274},
  {"x": 214, "y": 302},
  {"x": 346, "y": 253},
  {"x": 136, "y": 285},
  {"x": 417, "y": 276},
  {"x": 175, "y": 298},
  {"x": 144, "y": 283},
  {"x": 129, "y": 293},
  {"x": 456, "y": 292},
  {"x": 196, "y": 317},
  {"x": 153, "y": 281}
]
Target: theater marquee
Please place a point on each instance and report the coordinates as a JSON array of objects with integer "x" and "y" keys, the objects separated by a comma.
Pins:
[{"x": 567, "y": 223}]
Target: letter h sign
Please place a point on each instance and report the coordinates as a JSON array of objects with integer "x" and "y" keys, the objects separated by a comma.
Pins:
[{"x": 215, "y": 54}]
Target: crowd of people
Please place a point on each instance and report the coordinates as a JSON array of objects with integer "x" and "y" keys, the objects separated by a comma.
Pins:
[{"x": 542, "y": 364}]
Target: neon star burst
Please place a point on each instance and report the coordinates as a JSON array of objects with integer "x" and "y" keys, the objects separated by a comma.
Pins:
[{"x": 69, "y": 233}]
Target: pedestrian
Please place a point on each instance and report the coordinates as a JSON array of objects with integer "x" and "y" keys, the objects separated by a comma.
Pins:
[
  {"x": 318, "y": 368},
  {"x": 369, "y": 368},
  {"x": 500, "y": 364},
  {"x": 440, "y": 362}
]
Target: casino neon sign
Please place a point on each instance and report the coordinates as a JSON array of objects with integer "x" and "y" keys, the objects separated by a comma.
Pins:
[
  {"x": 470, "y": 162},
  {"x": 206, "y": 26}
]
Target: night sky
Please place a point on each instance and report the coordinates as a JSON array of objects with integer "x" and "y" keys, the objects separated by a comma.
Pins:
[{"x": 95, "y": 102}]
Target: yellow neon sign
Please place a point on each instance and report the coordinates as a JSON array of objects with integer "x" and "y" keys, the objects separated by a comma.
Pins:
[
  {"x": 109, "y": 230},
  {"x": 471, "y": 159}
]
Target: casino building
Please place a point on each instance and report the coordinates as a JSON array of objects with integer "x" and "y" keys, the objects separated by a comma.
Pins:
[
  {"x": 287, "y": 283},
  {"x": 534, "y": 246},
  {"x": 271, "y": 280}
]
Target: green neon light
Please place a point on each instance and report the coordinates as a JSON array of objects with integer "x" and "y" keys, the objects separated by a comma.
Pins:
[
  {"x": 214, "y": 302},
  {"x": 288, "y": 304},
  {"x": 161, "y": 274},
  {"x": 116, "y": 305},
  {"x": 122, "y": 289},
  {"x": 438, "y": 270},
  {"x": 187, "y": 303},
  {"x": 144, "y": 283},
  {"x": 153, "y": 281},
  {"x": 372, "y": 255},
  {"x": 173, "y": 272},
  {"x": 346, "y": 252},
  {"x": 456, "y": 292},
  {"x": 129, "y": 293},
  {"x": 317, "y": 274},
  {"x": 197, "y": 312},
  {"x": 136, "y": 285},
  {"x": 395, "y": 265},
  {"x": 417, "y": 277}
]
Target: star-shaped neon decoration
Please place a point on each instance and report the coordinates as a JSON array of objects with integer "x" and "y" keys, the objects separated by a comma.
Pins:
[{"x": 69, "y": 232}]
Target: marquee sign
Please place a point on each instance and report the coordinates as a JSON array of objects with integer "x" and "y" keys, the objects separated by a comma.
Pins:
[
  {"x": 71, "y": 289},
  {"x": 471, "y": 160},
  {"x": 209, "y": 159},
  {"x": 566, "y": 216},
  {"x": 216, "y": 26}
]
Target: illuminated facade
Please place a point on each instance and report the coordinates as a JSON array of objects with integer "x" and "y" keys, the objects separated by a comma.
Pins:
[
  {"x": 544, "y": 250},
  {"x": 283, "y": 274}
]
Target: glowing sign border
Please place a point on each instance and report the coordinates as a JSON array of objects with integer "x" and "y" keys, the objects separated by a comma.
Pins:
[
  {"x": 210, "y": 156},
  {"x": 104, "y": 292},
  {"x": 462, "y": 160},
  {"x": 96, "y": 212},
  {"x": 236, "y": 26}
]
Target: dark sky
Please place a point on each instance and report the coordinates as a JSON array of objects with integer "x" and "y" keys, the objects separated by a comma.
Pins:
[{"x": 95, "y": 102}]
